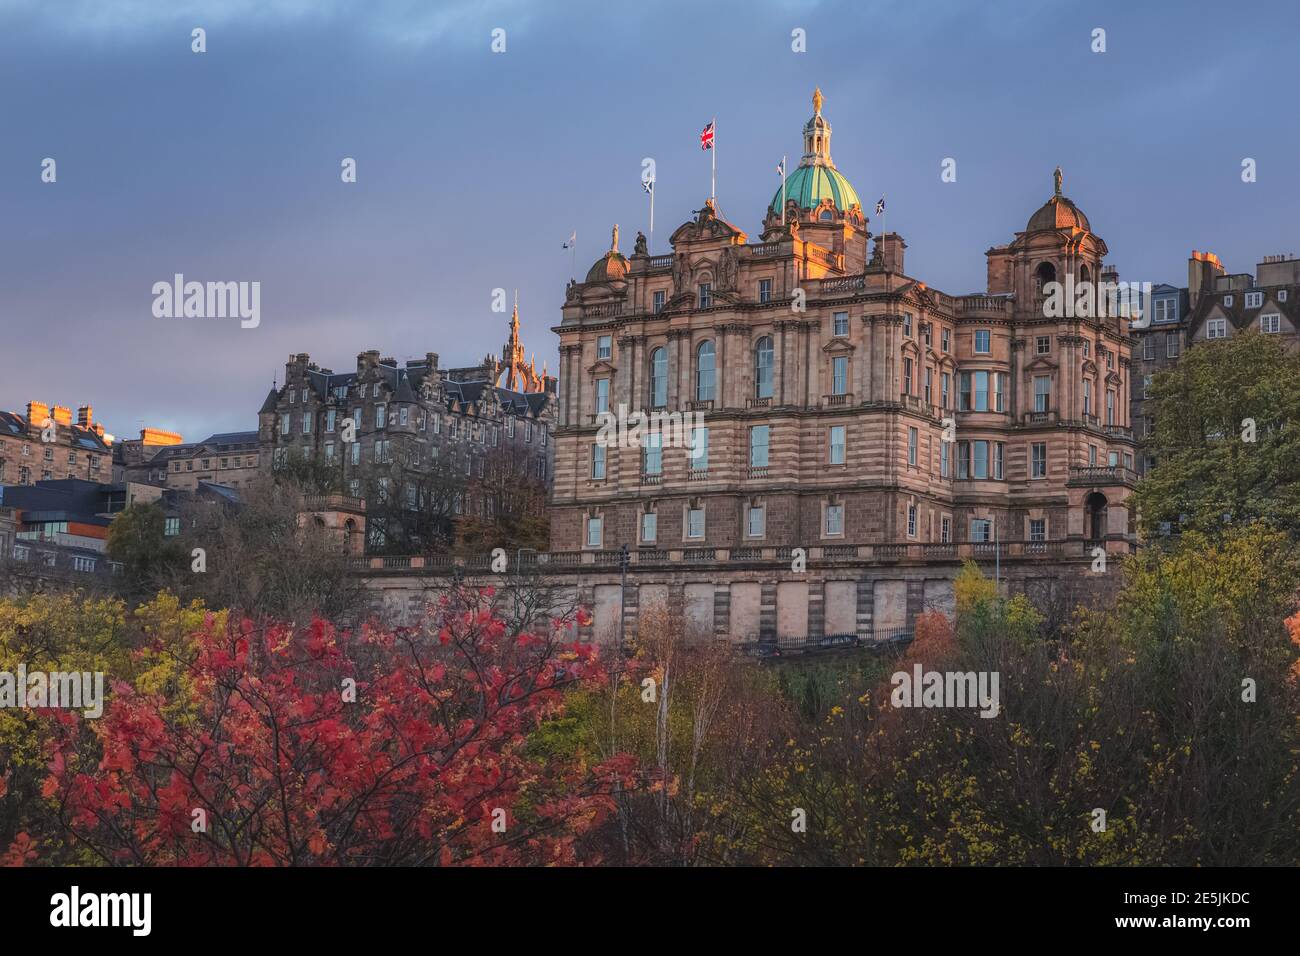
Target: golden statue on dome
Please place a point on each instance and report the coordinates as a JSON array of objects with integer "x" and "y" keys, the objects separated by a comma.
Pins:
[{"x": 818, "y": 99}]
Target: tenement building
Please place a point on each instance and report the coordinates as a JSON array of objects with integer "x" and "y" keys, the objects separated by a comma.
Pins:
[
  {"x": 805, "y": 395},
  {"x": 417, "y": 442},
  {"x": 44, "y": 443},
  {"x": 1214, "y": 305}
]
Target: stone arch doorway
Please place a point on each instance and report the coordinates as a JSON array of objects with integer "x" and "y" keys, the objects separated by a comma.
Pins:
[{"x": 1095, "y": 515}]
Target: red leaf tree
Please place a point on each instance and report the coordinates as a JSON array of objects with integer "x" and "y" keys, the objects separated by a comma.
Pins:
[{"x": 316, "y": 745}]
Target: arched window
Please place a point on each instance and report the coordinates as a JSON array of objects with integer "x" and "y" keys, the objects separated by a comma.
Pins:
[
  {"x": 1045, "y": 273},
  {"x": 827, "y": 215},
  {"x": 764, "y": 358},
  {"x": 704, "y": 372},
  {"x": 658, "y": 378}
]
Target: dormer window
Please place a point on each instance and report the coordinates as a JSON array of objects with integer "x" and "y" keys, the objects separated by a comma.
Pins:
[
  {"x": 1254, "y": 300},
  {"x": 1227, "y": 300}
]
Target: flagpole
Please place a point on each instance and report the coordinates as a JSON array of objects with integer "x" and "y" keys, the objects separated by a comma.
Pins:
[
  {"x": 652, "y": 214},
  {"x": 783, "y": 159},
  {"x": 713, "y": 189}
]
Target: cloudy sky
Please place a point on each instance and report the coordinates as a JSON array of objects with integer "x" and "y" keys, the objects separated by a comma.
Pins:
[{"x": 474, "y": 167}]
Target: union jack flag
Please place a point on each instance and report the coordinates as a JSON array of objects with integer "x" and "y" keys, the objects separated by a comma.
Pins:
[{"x": 706, "y": 137}]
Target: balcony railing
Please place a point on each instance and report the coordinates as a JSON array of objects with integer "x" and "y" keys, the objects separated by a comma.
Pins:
[
  {"x": 1101, "y": 475},
  {"x": 757, "y": 471},
  {"x": 758, "y": 403},
  {"x": 697, "y": 474},
  {"x": 655, "y": 478},
  {"x": 834, "y": 401},
  {"x": 880, "y": 553}
]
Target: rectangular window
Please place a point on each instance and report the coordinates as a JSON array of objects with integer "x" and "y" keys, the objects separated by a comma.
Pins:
[
  {"x": 403, "y": 415},
  {"x": 963, "y": 459},
  {"x": 649, "y": 527},
  {"x": 695, "y": 522},
  {"x": 834, "y": 519},
  {"x": 1087, "y": 396},
  {"x": 913, "y": 436},
  {"x": 1146, "y": 385},
  {"x": 1092, "y": 454},
  {"x": 1038, "y": 460},
  {"x": 837, "y": 445},
  {"x": 1216, "y": 329},
  {"x": 706, "y": 295},
  {"x": 598, "y": 462},
  {"x": 840, "y": 324},
  {"x": 306, "y": 425},
  {"x": 945, "y": 386},
  {"x": 1148, "y": 348},
  {"x": 594, "y": 530},
  {"x": 1254, "y": 300},
  {"x": 839, "y": 375},
  {"x": 907, "y": 376},
  {"x": 997, "y": 460},
  {"x": 1110, "y": 406},
  {"x": 943, "y": 337},
  {"x": 944, "y": 467},
  {"x": 284, "y": 423},
  {"x": 653, "y": 454},
  {"x": 602, "y": 395},
  {"x": 911, "y": 521},
  {"x": 974, "y": 392},
  {"x": 329, "y": 451},
  {"x": 381, "y": 416},
  {"x": 945, "y": 529},
  {"x": 754, "y": 525},
  {"x": 1166, "y": 310},
  {"x": 1172, "y": 344},
  {"x": 929, "y": 382},
  {"x": 1043, "y": 345},
  {"x": 981, "y": 530},
  {"x": 604, "y": 347},
  {"x": 758, "y": 446},
  {"x": 1270, "y": 323},
  {"x": 764, "y": 290},
  {"x": 982, "y": 341},
  {"x": 1113, "y": 458},
  {"x": 700, "y": 448},
  {"x": 171, "y": 527},
  {"x": 907, "y": 324},
  {"x": 979, "y": 465},
  {"x": 1042, "y": 393},
  {"x": 331, "y": 419},
  {"x": 658, "y": 305},
  {"x": 356, "y": 453},
  {"x": 999, "y": 380},
  {"x": 1037, "y": 529}
]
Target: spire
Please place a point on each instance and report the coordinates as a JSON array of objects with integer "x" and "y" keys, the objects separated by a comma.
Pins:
[{"x": 817, "y": 136}]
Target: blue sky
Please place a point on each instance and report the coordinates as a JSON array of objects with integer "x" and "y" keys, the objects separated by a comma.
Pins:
[{"x": 473, "y": 167}]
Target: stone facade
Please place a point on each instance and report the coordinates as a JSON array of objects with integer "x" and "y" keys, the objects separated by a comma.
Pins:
[
  {"x": 79, "y": 449},
  {"x": 826, "y": 380},
  {"x": 416, "y": 424}
]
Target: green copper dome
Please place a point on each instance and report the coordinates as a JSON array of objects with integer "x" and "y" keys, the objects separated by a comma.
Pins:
[{"x": 809, "y": 185}]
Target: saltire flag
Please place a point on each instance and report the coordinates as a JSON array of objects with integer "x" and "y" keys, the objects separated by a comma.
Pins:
[
  {"x": 573, "y": 240},
  {"x": 780, "y": 168},
  {"x": 648, "y": 185},
  {"x": 880, "y": 206},
  {"x": 706, "y": 136}
]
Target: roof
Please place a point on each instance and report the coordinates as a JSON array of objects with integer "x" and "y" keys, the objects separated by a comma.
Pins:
[
  {"x": 809, "y": 185},
  {"x": 15, "y": 424},
  {"x": 1059, "y": 212},
  {"x": 611, "y": 267}
]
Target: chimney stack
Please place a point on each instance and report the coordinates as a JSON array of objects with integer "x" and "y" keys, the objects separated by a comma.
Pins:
[
  {"x": 85, "y": 416},
  {"x": 1202, "y": 269},
  {"x": 891, "y": 246},
  {"x": 62, "y": 415},
  {"x": 37, "y": 412}
]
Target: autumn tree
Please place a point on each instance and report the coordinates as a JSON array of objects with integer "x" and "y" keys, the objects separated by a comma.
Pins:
[{"x": 318, "y": 745}]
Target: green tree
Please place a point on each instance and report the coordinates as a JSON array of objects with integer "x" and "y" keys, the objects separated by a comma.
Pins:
[{"x": 1227, "y": 439}]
